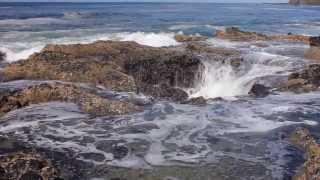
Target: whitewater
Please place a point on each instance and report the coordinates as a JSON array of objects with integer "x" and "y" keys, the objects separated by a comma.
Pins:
[{"x": 236, "y": 129}]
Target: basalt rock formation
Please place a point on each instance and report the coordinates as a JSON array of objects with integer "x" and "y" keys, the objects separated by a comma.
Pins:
[
  {"x": 235, "y": 34},
  {"x": 314, "y": 51},
  {"x": 120, "y": 66},
  {"x": 304, "y": 81},
  {"x": 26, "y": 166},
  {"x": 311, "y": 168},
  {"x": 304, "y": 2},
  {"x": 259, "y": 90},
  {"x": 42, "y": 92}
]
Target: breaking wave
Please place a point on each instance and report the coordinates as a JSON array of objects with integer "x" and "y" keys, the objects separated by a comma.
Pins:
[{"x": 19, "y": 51}]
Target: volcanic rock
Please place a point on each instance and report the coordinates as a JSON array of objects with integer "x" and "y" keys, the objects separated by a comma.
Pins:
[
  {"x": 259, "y": 90},
  {"x": 311, "y": 168},
  {"x": 88, "y": 101},
  {"x": 26, "y": 166},
  {"x": 200, "y": 101},
  {"x": 304, "y": 81},
  {"x": 235, "y": 34},
  {"x": 192, "y": 38},
  {"x": 120, "y": 66},
  {"x": 315, "y": 41}
]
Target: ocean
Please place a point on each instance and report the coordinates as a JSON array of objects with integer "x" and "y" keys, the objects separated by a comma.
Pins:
[
  {"x": 27, "y": 27},
  {"x": 240, "y": 136}
]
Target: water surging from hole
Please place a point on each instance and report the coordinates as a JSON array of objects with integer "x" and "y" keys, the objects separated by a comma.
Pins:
[{"x": 222, "y": 79}]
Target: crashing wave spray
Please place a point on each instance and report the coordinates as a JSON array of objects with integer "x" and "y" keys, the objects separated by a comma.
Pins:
[{"x": 221, "y": 79}]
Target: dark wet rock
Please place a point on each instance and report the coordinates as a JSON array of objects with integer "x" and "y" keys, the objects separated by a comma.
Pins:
[
  {"x": 315, "y": 41},
  {"x": 42, "y": 92},
  {"x": 165, "y": 91},
  {"x": 119, "y": 152},
  {"x": 191, "y": 38},
  {"x": 217, "y": 99},
  {"x": 31, "y": 176},
  {"x": 200, "y": 101},
  {"x": 26, "y": 166},
  {"x": 235, "y": 34},
  {"x": 304, "y": 2},
  {"x": 2, "y": 56},
  {"x": 114, "y": 147},
  {"x": 236, "y": 62},
  {"x": 311, "y": 168},
  {"x": 259, "y": 90},
  {"x": 92, "y": 156},
  {"x": 120, "y": 66},
  {"x": 304, "y": 81}
]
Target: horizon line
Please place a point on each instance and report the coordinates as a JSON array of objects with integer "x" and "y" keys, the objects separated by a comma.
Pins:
[{"x": 144, "y": 2}]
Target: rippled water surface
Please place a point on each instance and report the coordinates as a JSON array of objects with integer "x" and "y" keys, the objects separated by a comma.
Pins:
[{"x": 238, "y": 136}]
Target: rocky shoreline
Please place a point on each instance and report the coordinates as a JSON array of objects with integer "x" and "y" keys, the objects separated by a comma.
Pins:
[{"x": 74, "y": 73}]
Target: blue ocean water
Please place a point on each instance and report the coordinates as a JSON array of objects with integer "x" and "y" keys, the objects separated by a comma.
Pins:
[
  {"x": 27, "y": 27},
  {"x": 273, "y": 18}
]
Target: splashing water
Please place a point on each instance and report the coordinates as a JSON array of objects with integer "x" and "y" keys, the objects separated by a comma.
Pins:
[{"x": 222, "y": 79}]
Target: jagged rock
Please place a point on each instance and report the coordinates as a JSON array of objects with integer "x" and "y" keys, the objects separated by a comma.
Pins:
[
  {"x": 11, "y": 99},
  {"x": 304, "y": 2},
  {"x": 200, "y": 101},
  {"x": 315, "y": 41},
  {"x": 311, "y": 168},
  {"x": 192, "y": 38},
  {"x": 26, "y": 166},
  {"x": 259, "y": 90},
  {"x": 304, "y": 81},
  {"x": 2, "y": 56},
  {"x": 167, "y": 92},
  {"x": 235, "y": 34},
  {"x": 120, "y": 66}
]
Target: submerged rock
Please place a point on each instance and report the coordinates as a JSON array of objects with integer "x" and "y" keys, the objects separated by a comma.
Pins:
[
  {"x": 304, "y": 81},
  {"x": 311, "y": 168},
  {"x": 120, "y": 66},
  {"x": 42, "y": 92},
  {"x": 191, "y": 38},
  {"x": 259, "y": 90},
  {"x": 235, "y": 34},
  {"x": 200, "y": 101},
  {"x": 26, "y": 166}
]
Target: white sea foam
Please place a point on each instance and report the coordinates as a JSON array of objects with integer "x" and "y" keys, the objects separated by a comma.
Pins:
[
  {"x": 22, "y": 50},
  {"x": 222, "y": 80},
  {"x": 14, "y": 55}
]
